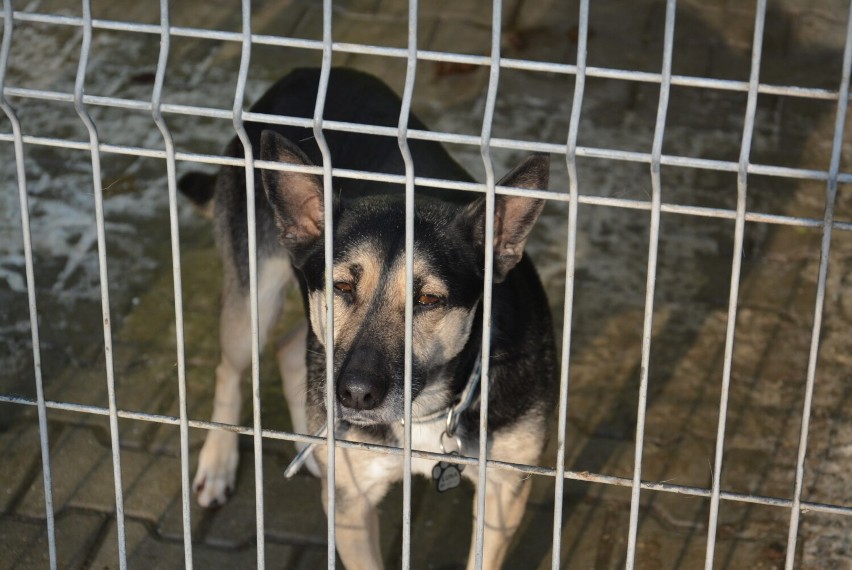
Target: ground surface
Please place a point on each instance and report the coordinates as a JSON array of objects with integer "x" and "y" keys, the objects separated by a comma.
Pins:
[{"x": 803, "y": 46}]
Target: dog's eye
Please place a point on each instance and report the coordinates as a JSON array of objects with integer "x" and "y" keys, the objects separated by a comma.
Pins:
[
  {"x": 343, "y": 287},
  {"x": 428, "y": 300}
]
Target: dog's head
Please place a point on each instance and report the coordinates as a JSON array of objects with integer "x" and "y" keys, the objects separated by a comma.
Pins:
[{"x": 369, "y": 278}]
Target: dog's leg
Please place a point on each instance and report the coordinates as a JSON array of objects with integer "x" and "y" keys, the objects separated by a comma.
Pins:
[
  {"x": 506, "y": 493},
  {"x": 505, "y": 501},
  {"x": 217, "y": 462},
  {"x": 294, "y": 375},
  {"x": 362, "y": 480}
]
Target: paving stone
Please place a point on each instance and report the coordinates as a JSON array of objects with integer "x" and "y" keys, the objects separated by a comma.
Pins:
[
  {"x": 823, "y": 541},
  {"x": 292, "y": 508},
  {"x": 287, "y": 506},
  {"x": 75, "y": 456},
  {"x": 24, "y": 542},
  {"x": 146, "y": 550},
  {"x": 17, "y": 536},
  {"x": 170, "y": 522},
  {"x": 21, "y": 451},
  {"x": 83, "y": 477},
  {"x": 592, "y": 530},
  {"x": 441, "y": 524},
  {"x": 106, "y": 554},
  {"x": 149, "y": 482},
  {"x": 678, "y": 464},
  {"x": 76, "y": 533},
  {"x": 311, "y": 558}
]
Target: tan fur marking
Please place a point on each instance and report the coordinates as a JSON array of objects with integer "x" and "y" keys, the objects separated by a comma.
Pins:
[
  {"x": 506, "y": 492},
  {"x": 348, "y": 317},
  {"x": 366, "y": 257},
  {"x": 429, "y": 282},
  {"x": 440, "y": 333}
]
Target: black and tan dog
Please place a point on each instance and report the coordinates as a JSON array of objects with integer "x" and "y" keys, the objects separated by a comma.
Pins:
[{"x": 369, "y": 300}]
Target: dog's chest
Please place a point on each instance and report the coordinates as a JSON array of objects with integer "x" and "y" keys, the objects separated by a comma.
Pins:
[{"x": 424, "y": 437}]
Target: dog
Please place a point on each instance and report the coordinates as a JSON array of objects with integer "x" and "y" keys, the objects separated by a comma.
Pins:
[{"x": 368, "y": 274}]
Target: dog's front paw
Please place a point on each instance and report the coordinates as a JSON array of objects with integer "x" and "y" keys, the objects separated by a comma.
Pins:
[{"x": 217, "y": 469}]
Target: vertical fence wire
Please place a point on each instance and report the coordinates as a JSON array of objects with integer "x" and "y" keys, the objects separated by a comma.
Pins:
[
  {"x": 156, "y": 110},
  {"x": 485, "y": 150},
  {"x": 328, "y": 234},
  {"x": 650, "y": 285},
  {"x": 570, "y": 265},
  {"x": 97, "y": 184},
  {"x": 5, "y": 50},
  {"x": 825, "y": 246},
  {"x": 736, "y": 269},
  {"x": 405, "y": 109},
  {"x": 239, "y": 97}
]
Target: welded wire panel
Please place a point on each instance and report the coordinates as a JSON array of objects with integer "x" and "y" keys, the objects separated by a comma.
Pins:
[{"x": 486, "y": 143}]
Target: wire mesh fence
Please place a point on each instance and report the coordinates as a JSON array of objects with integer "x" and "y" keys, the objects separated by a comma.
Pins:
[{"x": 571, "y": 196}]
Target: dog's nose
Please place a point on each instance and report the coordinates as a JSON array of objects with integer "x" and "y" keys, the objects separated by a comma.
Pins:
[{"x": 360, "y": 391}]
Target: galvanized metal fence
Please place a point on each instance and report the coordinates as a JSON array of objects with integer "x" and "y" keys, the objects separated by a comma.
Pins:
[{"x": 570, "y": 151}]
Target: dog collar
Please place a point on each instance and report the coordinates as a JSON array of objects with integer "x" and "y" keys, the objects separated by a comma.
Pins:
[{"x": 463, "y": 402}]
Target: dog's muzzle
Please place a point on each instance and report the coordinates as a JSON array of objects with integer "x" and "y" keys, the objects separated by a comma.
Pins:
[
  {"x": 360, "y": 383},
  {"x": 361, "y": 390}
]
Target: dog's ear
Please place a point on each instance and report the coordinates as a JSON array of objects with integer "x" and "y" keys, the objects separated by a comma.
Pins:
[
  {"x": 295, "y": 197},
  {"x": 514, "y": 216}
]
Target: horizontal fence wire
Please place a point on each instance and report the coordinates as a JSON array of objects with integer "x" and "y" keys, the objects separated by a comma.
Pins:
[
  {"x": 557, "y": 196},
  {"x": 428, "y": 55},
  {"x": 417, "y": 134},
  {"x": 571, "y": 151},
  {"x": 586, "y": 476}
]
